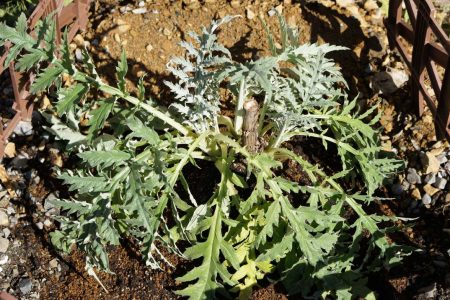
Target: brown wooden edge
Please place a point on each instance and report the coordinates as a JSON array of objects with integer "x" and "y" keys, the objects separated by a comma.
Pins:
[
  {"x": 427, "y": 53},
  {"x": 73, "y": 16}
]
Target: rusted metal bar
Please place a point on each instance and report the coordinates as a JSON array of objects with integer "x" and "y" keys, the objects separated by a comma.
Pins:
[
  {"x": 422, "y": 35},
  {"x": 444, "y": 100},
  {"x": 431, "y": 47},
  {"x": 74, "y": 16}
]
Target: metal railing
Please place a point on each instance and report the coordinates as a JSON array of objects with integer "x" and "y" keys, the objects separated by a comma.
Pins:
[
  {"x": 74, "y": 17},
  {"x": 413, "y": 22}
]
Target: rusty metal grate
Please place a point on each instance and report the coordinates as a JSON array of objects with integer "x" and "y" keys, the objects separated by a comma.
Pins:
[
  {"x": 73, "y": 16},
  {"x": 413, "y": 22}
]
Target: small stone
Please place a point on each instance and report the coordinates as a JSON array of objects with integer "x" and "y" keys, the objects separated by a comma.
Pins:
[
  {"x": 4, "y": 259},
  {"x": 415, "y": 194},
  {"x": 397, "y": 189},
  {"x": 10, "y": 150},
  {"x": 235, "y": 3},
  {"x": 440, "y": 183},
  {"x": 120, "y": 22},
  {"x": 279, "y": 9},
  {"x": 6, "y": 232},
  {"x": 194, "y": 4},
  {"x": 10, "y": 210},
  {"x": 47, "y": 223},
  {"x": 78, "y": 40},
  {"x": 250, "y": 14},
  {"x": 13, "y": 221},
  {"x": 430, "y": 190},
  {"x": 447, "y": 198},
  {"x": 426, "y": 199},
  {"x": 442, "y": 158},
  {"x": 53, "y": 263},
  {"x": 117, "y": 38},
  {"x": 40, "y": 226},
  {"x": 124, "y": 9},
  {"x": 45, "y": 103},
  {"x": 48, "y": 201},
  {"x": 141, "y": 4},
  {"x": 139, "y": 11},
  {"x": 430, "y": 163},
  {"x": 4, "y": 220},
  {"x": 124, "y": 28},
  {"x": 23, "y": 128},
  {"x": 167, "y": 32},
  {"x": 4, "y": 244},
  {"x": 149, "y": 48},
  {"x": 25, "y": 285},
  {"x": 345, "y": 3},
  {"x": 447, "y": 167},
  {"x": 388, "y": 82},
  {"x": 370, "y": 5},
  {"x": 78, "y": 55},
  {"x": 430, "y": 178},
  {"x": 413, "y": 177}
]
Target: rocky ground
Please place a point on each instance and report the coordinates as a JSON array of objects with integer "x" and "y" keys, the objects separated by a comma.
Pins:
[{"x": 30, "y": 268}]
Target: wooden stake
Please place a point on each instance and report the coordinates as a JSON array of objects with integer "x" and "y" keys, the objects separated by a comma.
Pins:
[{"x": 250, "y": 126}]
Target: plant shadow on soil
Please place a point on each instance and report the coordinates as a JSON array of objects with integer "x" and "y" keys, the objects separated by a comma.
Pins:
[{"x": 132, "y": 278}]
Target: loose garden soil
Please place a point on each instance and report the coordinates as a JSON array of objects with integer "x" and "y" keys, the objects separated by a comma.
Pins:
[{"x": 150, "y": 40}]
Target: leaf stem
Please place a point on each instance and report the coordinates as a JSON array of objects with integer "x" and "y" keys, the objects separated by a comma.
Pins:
[
  {"x": 239, "y": 111},
  {"x": 279, "y": 139},
  {"x": 150, "y": 109}
]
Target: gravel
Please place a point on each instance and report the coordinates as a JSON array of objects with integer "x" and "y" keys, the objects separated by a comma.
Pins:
[
  {"x": 442, "y": 158},
  {"x": 4, "y": 245},
  {"x": 4, "y": 220},
  {"x": 430, "y": 163},
  {"x": 440, "y": 183},
  {"x": 430, "y": 178},
  {"x": 24, "y": 129},
  {"x": 25, "y": 285},
  {"x": 139, "y": 11},
  {"x": 426, "y": 199},
  {"x": 53, "y": 263},
  {"x": 413, "y": 177},
  {"x": 78, "y": 55},
  {"x": 4, "y": 259},
  {"x": 39, "y": 225},
  {"x": 6, "y": 232}
]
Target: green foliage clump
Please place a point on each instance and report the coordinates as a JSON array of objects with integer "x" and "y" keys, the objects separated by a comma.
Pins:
[
  {"x": 256, "y": 222},
  {"x": 10, "y": 10}
]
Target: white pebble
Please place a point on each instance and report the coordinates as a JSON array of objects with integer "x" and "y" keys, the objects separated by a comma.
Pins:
[
  {"x": 426, "y": 199},
  {"x": 139, "y": 11}
]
